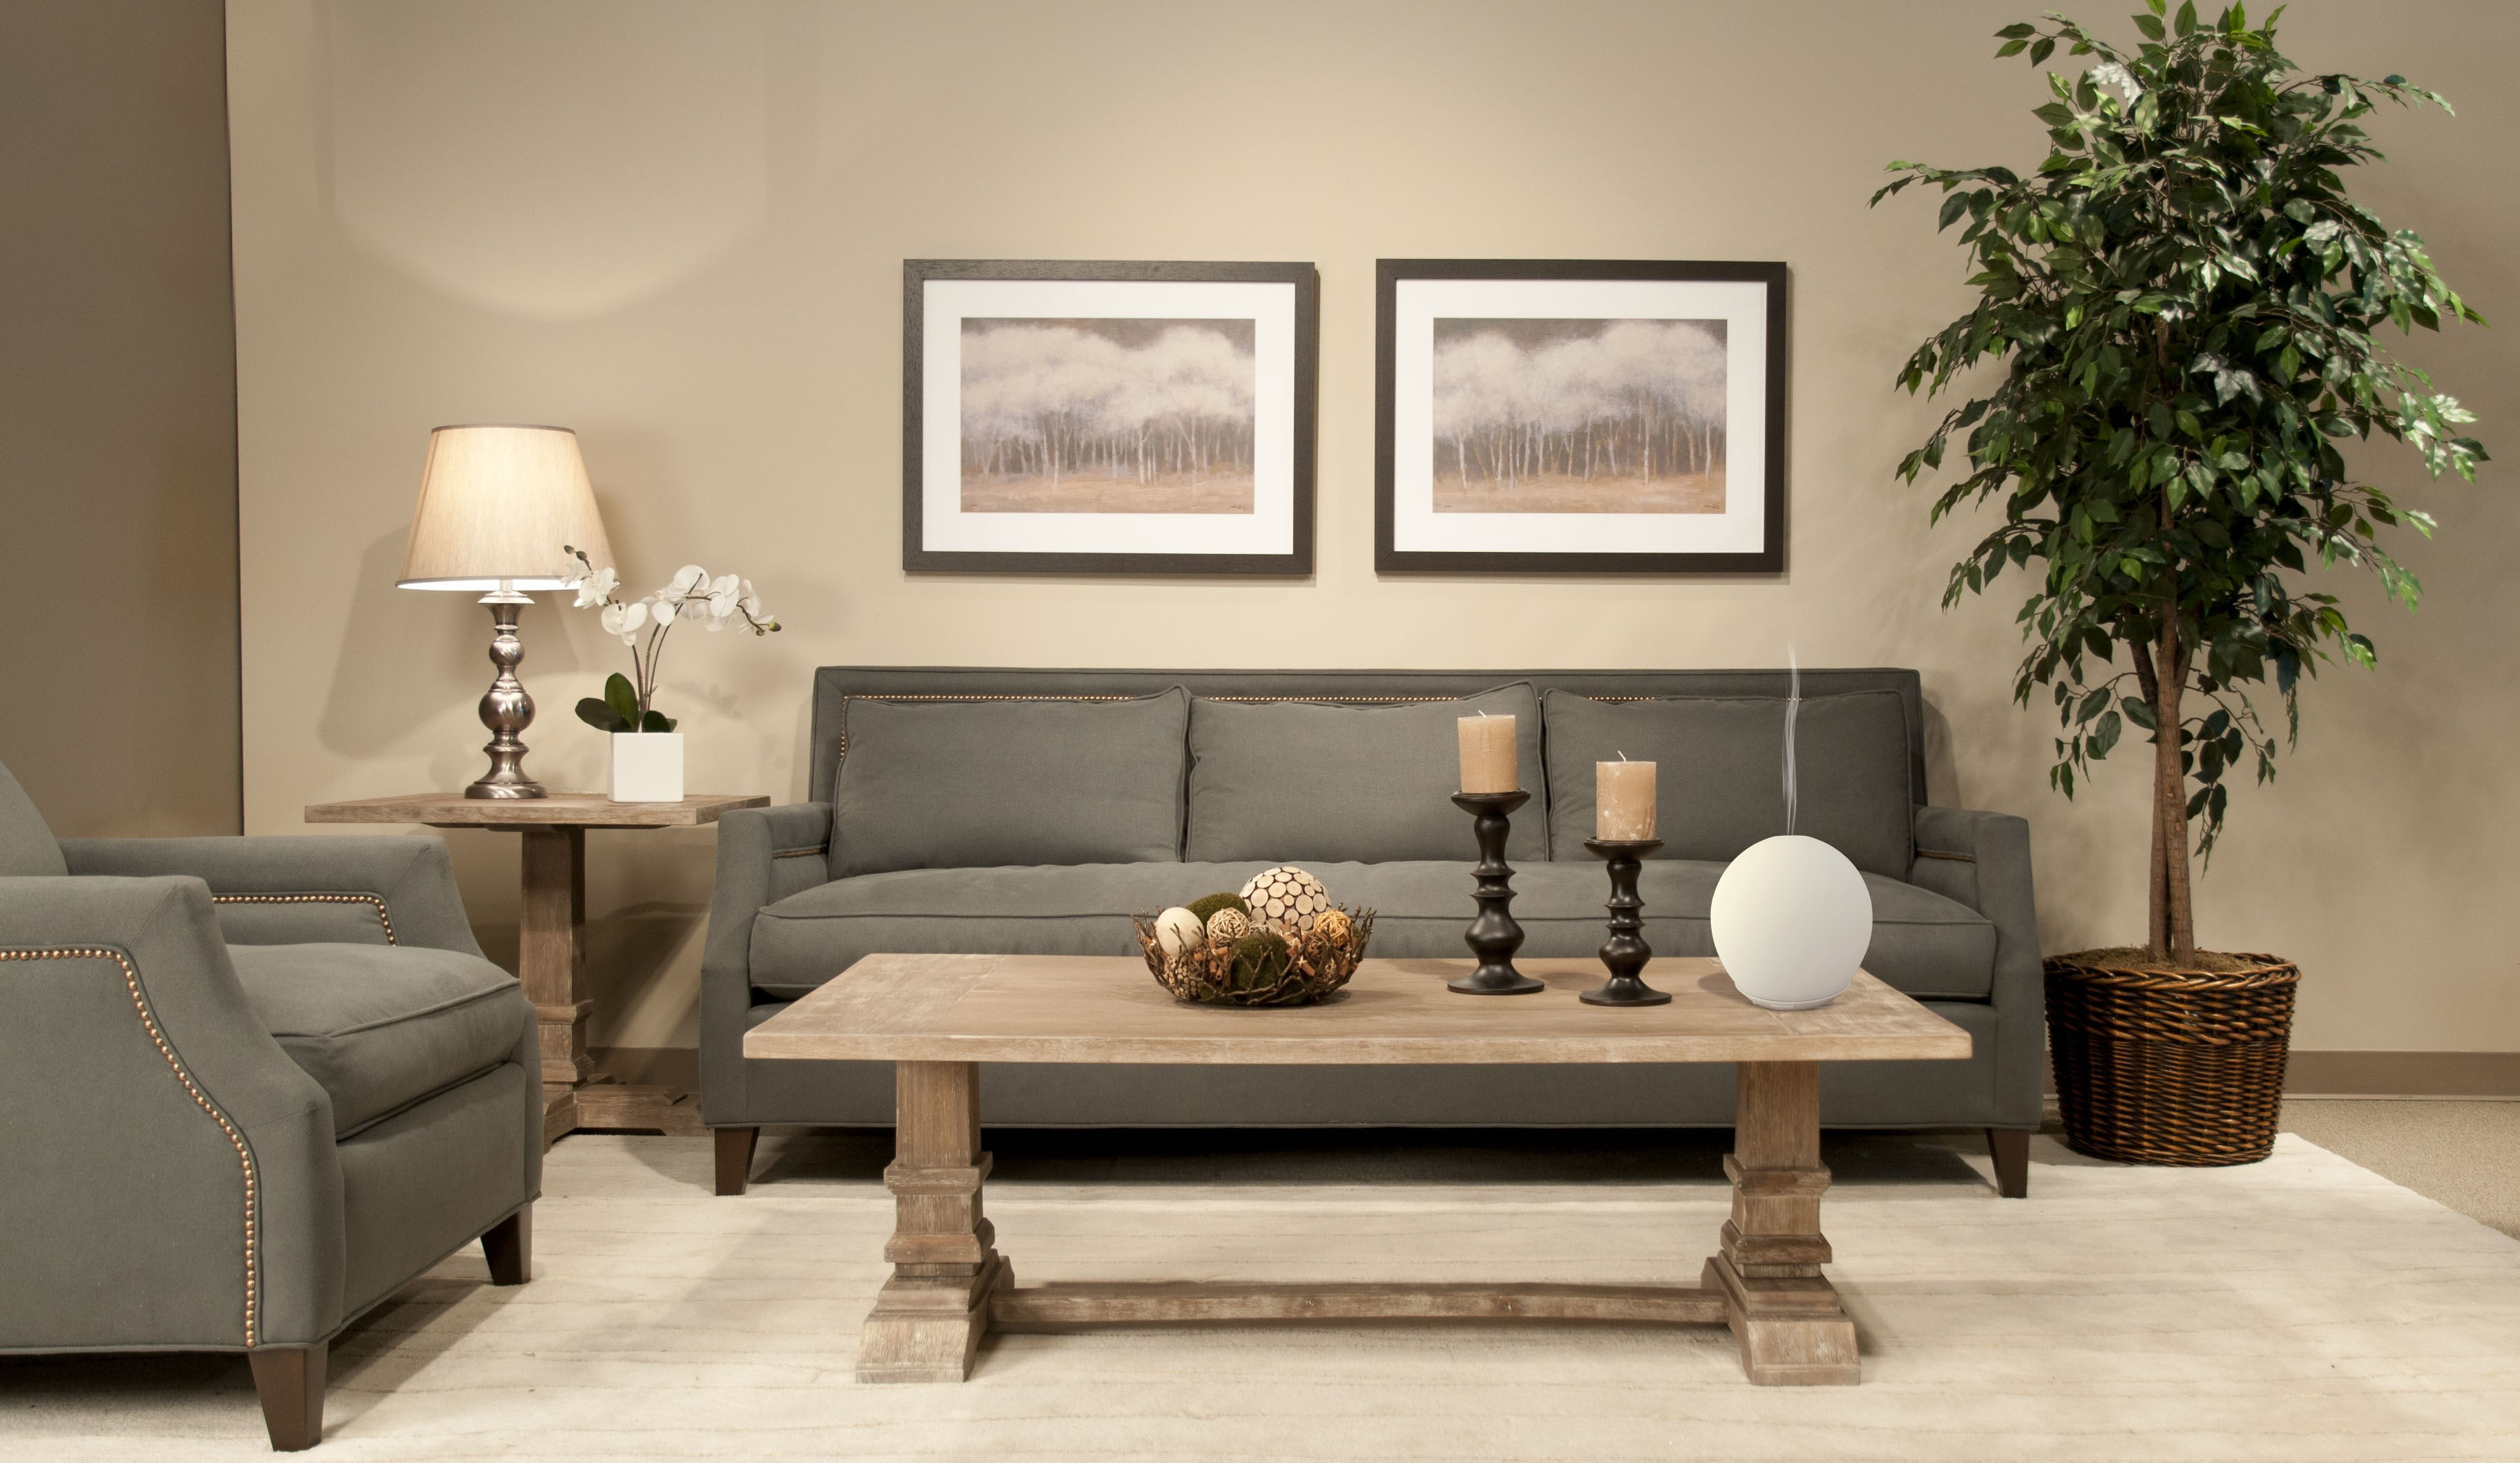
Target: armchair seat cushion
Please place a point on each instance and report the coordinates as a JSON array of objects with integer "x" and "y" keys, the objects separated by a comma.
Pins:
[
  {"x": 382, "y": 1026},
  {"x": 1924, "y": 944}
]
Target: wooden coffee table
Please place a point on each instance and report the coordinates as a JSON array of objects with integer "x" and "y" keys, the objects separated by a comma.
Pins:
[{"x": 937, "y": 1017}]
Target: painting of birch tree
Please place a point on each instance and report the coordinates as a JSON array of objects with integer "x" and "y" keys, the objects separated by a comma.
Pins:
[
  {"x": 1579, "y": 416},
  {"x": 1107, "y": 415}
]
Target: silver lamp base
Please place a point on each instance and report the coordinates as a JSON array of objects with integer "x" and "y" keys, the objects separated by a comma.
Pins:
[{"x": 505, "y": 709}]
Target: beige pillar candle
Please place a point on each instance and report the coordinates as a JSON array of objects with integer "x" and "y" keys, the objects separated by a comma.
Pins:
[
  {"x": 1488, "y": 755},
  {"x": 1623, "y": 794}
]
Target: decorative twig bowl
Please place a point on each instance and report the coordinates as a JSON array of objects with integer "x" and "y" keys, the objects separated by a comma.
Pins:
[{"x": 1316, "y": 966}]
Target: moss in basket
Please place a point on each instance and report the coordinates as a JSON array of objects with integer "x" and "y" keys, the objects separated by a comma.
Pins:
[
  {"x": 1203, "y": 908},
  {"x": 1260, "y": 959}
]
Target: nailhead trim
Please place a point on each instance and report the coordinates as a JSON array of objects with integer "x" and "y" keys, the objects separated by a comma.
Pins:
[
  {"x": 201, "y": 1099},
  {"x": 383, "y": 917},
  {"x": 1098, "y": 697}
]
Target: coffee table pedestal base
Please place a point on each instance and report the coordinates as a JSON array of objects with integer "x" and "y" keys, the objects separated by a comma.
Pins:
[{"x": 950, "y": 1287}]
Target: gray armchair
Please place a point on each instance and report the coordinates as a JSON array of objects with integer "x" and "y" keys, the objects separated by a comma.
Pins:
[{"x": 255, "y": 1085}]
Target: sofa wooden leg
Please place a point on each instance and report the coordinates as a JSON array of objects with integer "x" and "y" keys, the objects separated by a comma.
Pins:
[
  {"x": 735, "y": 1159},
  {"x": 289, "y": 1383},
  {"x": 2011, "y": 1149},
  {"x": 509, "y": 1246}
]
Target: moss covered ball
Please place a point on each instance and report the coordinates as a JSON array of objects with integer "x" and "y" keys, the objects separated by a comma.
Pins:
[
  {"x": 1205, "y": 908},
  {"x": 1260, "y": 959}
]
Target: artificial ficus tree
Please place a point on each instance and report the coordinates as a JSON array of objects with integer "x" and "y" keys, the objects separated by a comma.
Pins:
[{"x": 2184, "y": 301}]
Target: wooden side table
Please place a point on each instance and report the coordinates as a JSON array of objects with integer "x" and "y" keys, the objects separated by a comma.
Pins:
[{"x": 551, "y": 950}]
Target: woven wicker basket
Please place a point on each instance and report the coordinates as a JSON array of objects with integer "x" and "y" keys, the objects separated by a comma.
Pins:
[
  {"x": 2168, "y": 1067},
  {"x": 1316, "y": 966}
]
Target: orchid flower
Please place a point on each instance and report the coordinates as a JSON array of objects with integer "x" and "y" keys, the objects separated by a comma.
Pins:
[{"x": 691, "y": 594}]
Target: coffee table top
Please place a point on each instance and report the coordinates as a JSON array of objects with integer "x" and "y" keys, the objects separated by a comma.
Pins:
[{"x": 1106, "y": 1008}]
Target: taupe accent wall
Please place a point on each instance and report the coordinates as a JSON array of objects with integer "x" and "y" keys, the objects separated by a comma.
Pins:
[
  {"x": 117, "y": 416},
  {"x": 679, "y": 229}
]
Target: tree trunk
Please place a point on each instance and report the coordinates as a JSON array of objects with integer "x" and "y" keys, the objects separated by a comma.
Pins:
[{"x": 2172, "y": 933}]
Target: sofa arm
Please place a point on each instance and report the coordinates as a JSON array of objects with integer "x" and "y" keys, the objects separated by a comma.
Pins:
[
  {"x": 1982, "y": 860},
  {"x": 294, "y": 890},
  {"x": 173, "y": 1180},
  {"x": 763, "y": 856}
]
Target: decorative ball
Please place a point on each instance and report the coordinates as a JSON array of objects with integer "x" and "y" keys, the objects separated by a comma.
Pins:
[
  {"x": 1331, "y": 925},
  {"x": 1791, "y": 920},
  {"x": 1259, "y": 958},
  {"x": 1228, "y": 925},
  {"x": 1205, "y": 908},
  {"x": 1178, "y": 929},
  {"x": 1285, "y": 898}
]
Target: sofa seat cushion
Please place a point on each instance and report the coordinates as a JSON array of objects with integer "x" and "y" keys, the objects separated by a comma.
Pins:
[
  {"x": 382, "y": 1026},
  {"x": 1922, "y": 944}
]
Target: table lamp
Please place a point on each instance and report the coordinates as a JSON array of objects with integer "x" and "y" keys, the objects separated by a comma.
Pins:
[{"x": 496, "y": 503}]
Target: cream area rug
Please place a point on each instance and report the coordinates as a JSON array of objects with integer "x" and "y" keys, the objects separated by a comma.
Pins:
[{"x": 2302, "y": 1309}]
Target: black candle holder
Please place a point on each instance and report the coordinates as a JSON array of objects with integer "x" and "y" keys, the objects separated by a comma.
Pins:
[
  {"x": 1626, "y": 951},
  {"x": 1494, "y": 937}
]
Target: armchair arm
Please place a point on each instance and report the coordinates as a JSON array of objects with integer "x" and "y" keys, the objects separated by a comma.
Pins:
[
  {"x": 1982, "y": 860},
  {"x": 173, "y": 1180},
  {"x": 763, "y": 856},
  {"x": 290, "y": 890}
]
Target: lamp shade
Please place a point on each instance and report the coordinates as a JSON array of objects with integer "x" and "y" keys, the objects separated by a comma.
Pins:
[{"x": 496, "y": 503}]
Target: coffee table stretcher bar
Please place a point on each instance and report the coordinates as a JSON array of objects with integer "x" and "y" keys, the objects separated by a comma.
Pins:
[{"x": 950, "y": 1286}]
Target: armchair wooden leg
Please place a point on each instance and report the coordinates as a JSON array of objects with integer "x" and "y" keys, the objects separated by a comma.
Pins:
[
  {"x": 509, "y": 1246},
  {"x": 2011, "y": 1149},
  {"x": 735, "y": 1147},
  {"x": 289, "y": 1383}
]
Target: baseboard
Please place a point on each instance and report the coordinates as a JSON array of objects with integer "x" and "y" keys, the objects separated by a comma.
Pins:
[
  {"x": 675, "y": 1067},
  {"x": 2403, "y": 1074}
]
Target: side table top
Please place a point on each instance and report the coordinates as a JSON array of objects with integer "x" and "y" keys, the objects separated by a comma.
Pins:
[
  {"x": 1108, "y": 1009},
  {"x": 560, "y": 810}
]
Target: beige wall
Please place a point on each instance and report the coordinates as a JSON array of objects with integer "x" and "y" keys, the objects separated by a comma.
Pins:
[
  {"x": 117, "y": 416},
  {"x": 679, "y": 229}
]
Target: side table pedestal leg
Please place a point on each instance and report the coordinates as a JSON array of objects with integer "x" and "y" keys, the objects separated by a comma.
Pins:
[{"x": 1781, "y": 1308}]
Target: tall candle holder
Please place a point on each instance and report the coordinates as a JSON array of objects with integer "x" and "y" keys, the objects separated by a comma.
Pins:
[
  {"x": 1494, "y": 936},
  {"x": 1626, "y": 951}
]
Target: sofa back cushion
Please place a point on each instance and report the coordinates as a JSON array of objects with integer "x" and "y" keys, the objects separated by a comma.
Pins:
[
  {"x": 1720, "y": 784},
  {"x": 975, "y": 784},
  {"x": 26, "y": 843},
  {"x": 1347, "y": 783}
]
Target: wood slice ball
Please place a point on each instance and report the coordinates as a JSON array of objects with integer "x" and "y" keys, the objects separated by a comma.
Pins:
[
  {"x": 1228, "y": 925},
  {"x": 1285, "y": 898}
]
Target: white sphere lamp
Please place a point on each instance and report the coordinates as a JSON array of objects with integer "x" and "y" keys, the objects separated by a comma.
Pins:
[{"x": 1791, "y": 920}]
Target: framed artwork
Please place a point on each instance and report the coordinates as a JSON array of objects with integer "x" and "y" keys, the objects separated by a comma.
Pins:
[
  {"x": 1579, "y": 417},
  {"x": 1107, "y": 417}
]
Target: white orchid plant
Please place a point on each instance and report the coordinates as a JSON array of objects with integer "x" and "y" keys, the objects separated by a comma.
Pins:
[{"x": 628, "y": 704}]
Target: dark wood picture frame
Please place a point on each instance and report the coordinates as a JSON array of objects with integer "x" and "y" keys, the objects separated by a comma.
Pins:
[
  {"x": 1768, "y": 559},
  {"x": 1295, "y": 563}
]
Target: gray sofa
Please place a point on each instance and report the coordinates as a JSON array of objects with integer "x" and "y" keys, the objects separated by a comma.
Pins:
[
  {"x": 255, "y": 1087},
  {"x": 1033, "y": 811}
]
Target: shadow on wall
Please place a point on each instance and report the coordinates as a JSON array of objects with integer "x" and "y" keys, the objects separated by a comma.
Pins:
[
  {"x": 631, "y": 958},
  {"x": 407, "y": 656},
  {"x": 548, "y": 161}
]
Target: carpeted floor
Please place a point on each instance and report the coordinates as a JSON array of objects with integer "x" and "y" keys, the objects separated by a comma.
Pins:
[{"x": 2303, "y": 1309}]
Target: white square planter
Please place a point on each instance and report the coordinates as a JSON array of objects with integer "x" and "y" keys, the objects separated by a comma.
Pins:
[{"x": 647, "y": 767}]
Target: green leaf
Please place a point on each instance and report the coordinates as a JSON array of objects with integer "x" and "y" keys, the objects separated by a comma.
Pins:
[
  {"x": 656, "y": 721},
  {"x": 2185, "y": 22},
  {"x": 2151, "y": 27},
  {"x": 2016, "y": 31},
  {"x": 598, "y": 715},
  {"x": 623, "y": 698},
  {"x": 2105, "y": 735},
  {"x": 2041, "y": 50}
]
